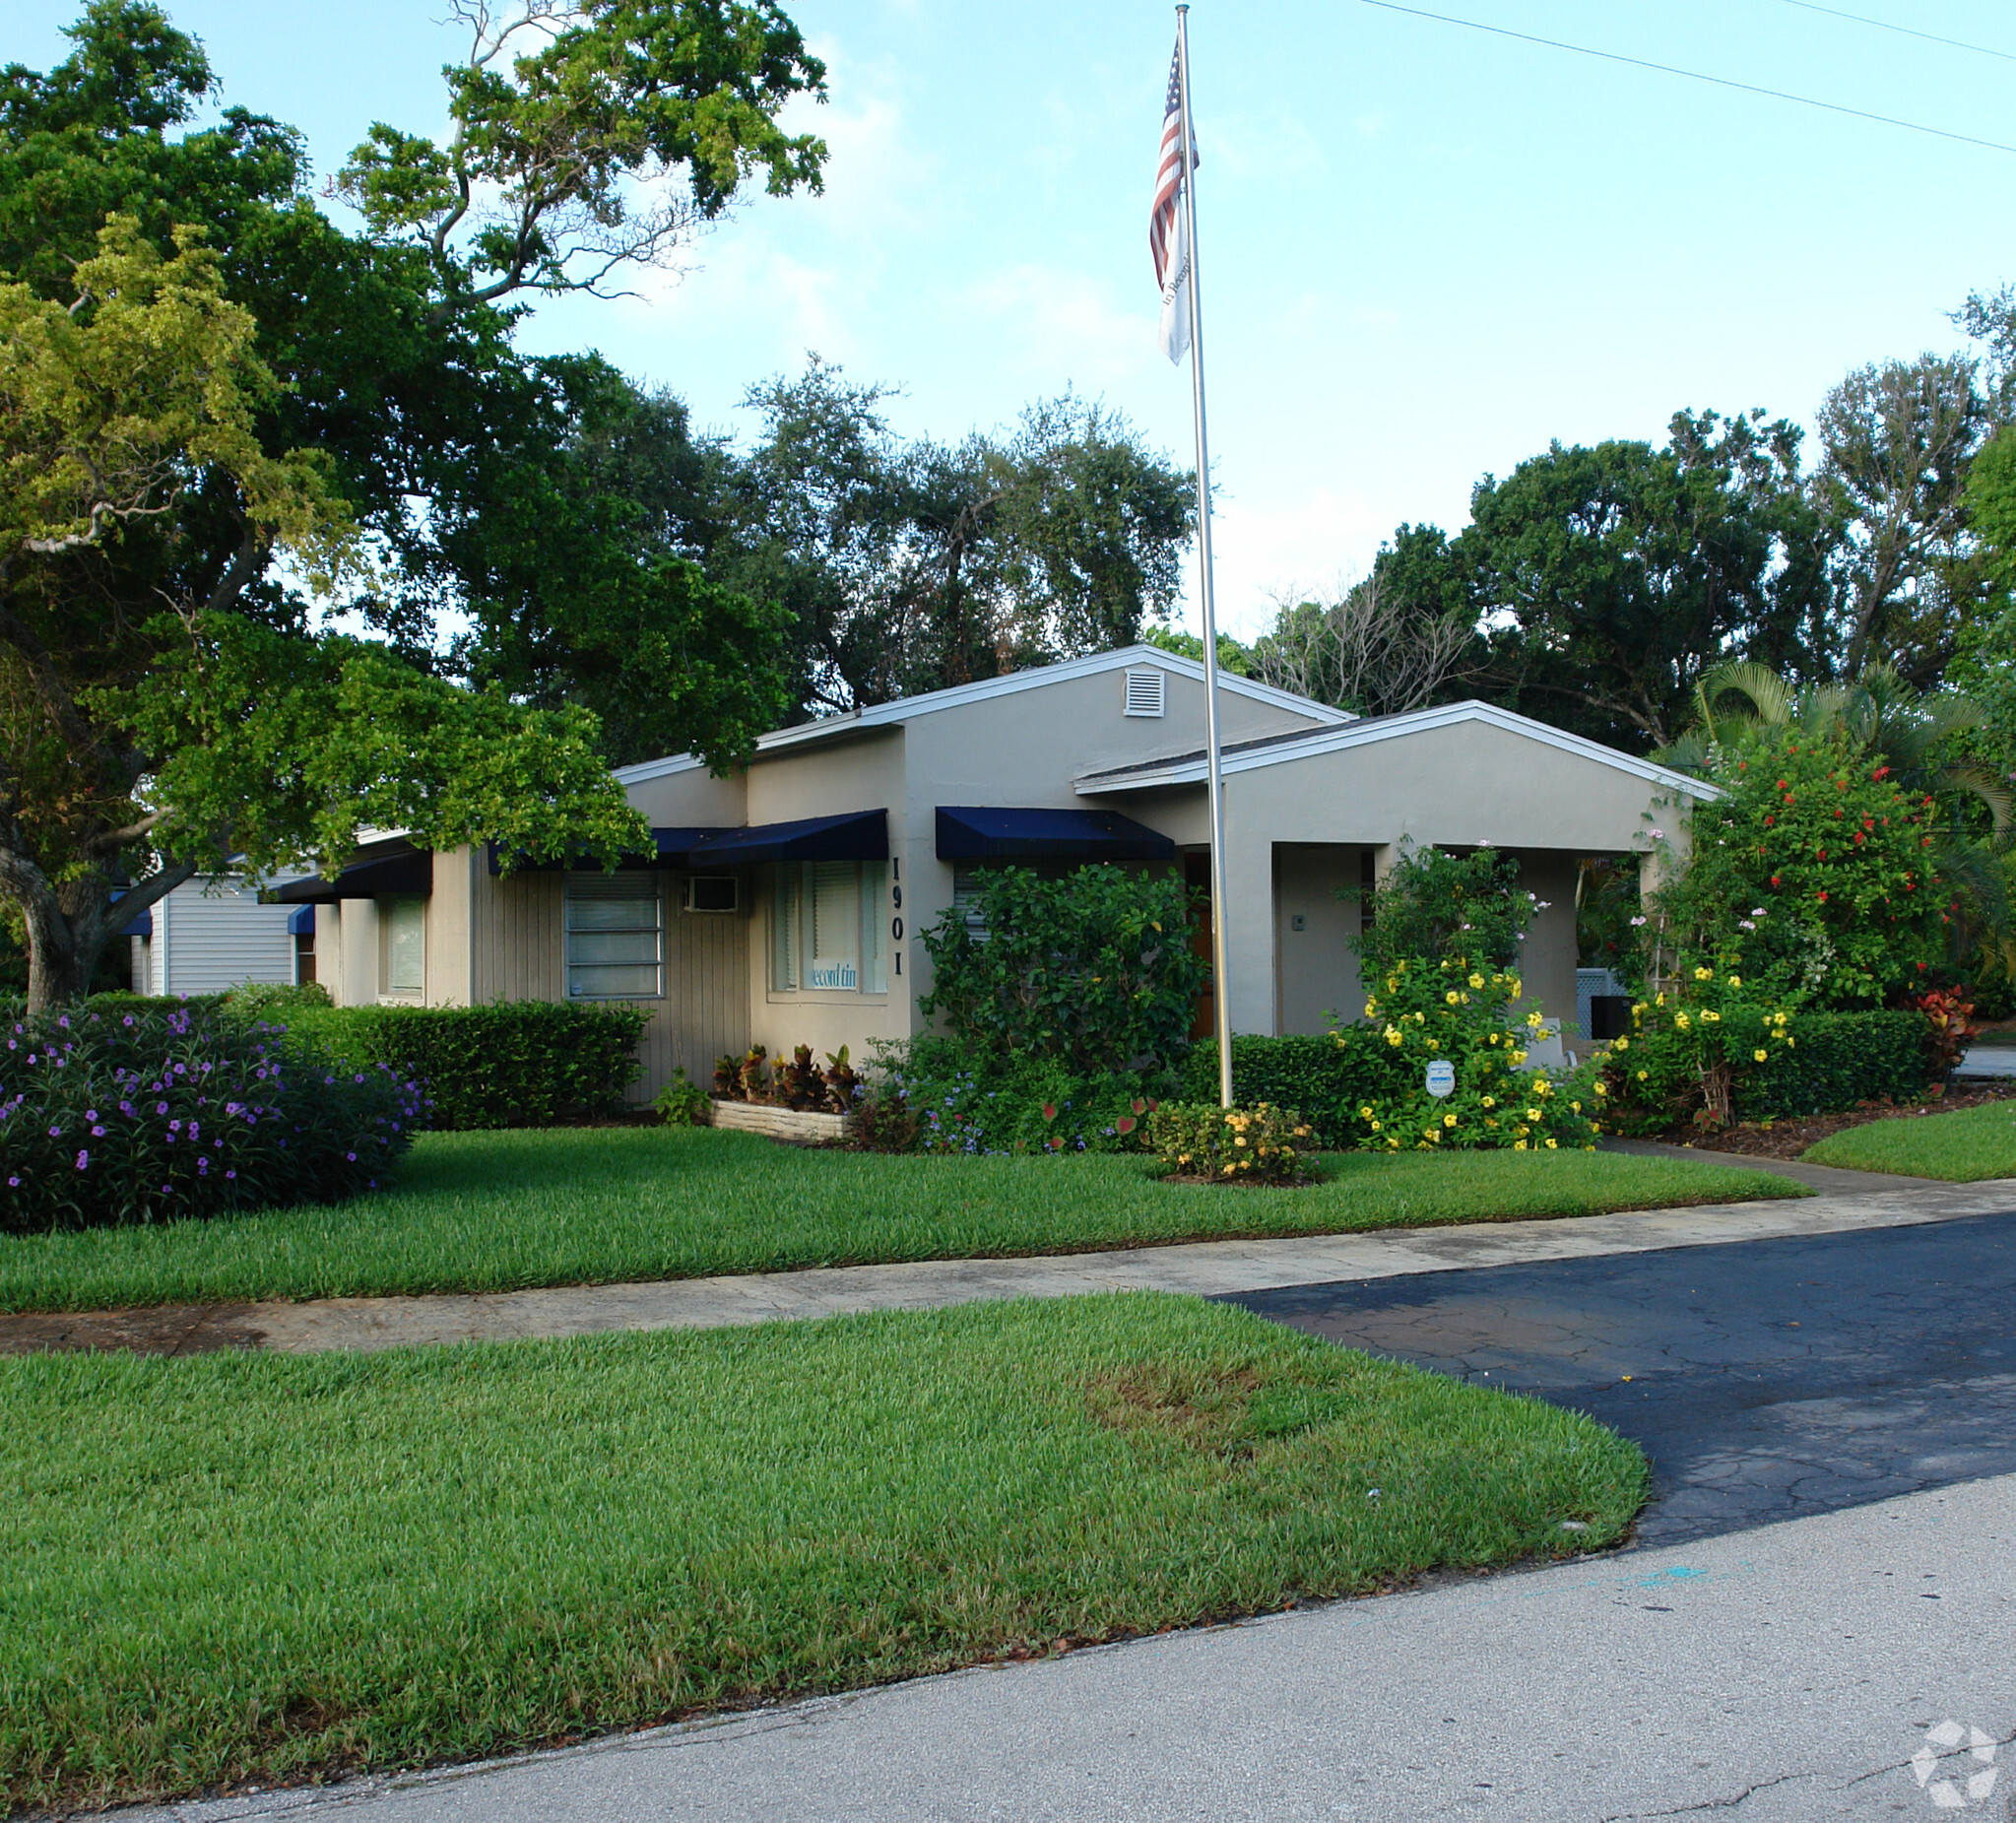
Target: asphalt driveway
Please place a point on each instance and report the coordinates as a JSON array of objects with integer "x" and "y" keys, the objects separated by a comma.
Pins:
[{"x": 1766, "y": 1379}]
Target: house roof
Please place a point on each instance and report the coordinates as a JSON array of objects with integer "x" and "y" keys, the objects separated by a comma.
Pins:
[
  {"x": 910, "y": 708},
  {"x": 1277, "y": 749}
]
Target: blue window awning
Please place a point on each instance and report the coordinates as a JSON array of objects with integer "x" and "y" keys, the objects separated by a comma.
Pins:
[
  {"x": 142, "y": 925},
  {"x": 300, "y": 922},
  {"x": 669, "y": 849},
  {"x": 991, "y": 832},
  {"x": 860, "y": 835},
  {"x": 407, "y": 875}
]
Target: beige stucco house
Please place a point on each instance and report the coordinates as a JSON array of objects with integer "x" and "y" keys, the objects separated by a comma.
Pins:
[{"x": 783, "y": 904}]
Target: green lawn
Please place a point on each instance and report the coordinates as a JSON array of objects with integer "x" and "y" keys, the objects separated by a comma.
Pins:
[
  {"x": 492, "y": 1212},
  {"x": 1972, "y": 1143},
  {"x": 257, "y": 1567}
]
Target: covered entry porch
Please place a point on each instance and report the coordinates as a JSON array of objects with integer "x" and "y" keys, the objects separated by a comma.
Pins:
[{"x": 1313, "y": 821}]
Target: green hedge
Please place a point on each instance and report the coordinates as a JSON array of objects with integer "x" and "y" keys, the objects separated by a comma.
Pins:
[
  {"x": 509, "y": 1064},
  {"x": 120, "y": 1001},
  {"x": 1325, "y": 1078},
  {"x": 1840, "y": 1059}
]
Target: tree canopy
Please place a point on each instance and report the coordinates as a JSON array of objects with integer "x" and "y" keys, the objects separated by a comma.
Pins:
[
  {"x": 338, "y": 420},
  {"x": 910, "y": 564}
]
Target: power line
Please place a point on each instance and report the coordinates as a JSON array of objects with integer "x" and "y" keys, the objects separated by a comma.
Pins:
[
  {"x": 1720, "y": 81},
  {"x": 1883, "y": 24}
]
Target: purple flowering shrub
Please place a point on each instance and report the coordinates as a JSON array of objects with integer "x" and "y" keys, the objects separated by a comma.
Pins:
[{"x": 109, "y": 1116}]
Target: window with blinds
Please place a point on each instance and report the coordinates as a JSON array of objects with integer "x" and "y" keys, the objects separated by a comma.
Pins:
[
  {"x": 966, "y": 884},
  {"x": 614, "y": 936},
  {"x": 828, "y": 924},
  {"x": 403, "y": 954}
]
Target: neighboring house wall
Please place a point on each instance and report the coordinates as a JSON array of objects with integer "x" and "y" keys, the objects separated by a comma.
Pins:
[{"x": 212, "y": 935}]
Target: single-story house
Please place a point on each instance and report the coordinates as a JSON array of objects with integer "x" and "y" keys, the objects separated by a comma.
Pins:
[
  {"x": 219, "y": 932},
  {"x": 782, "y": 905}
]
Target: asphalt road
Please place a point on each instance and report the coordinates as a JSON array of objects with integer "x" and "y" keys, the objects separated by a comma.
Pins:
[{"x": 1766, "y": 1379}]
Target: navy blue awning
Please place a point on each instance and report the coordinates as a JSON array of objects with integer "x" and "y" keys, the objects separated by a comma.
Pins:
[
  {"x": 142, "y": 925},
  {"x": 407, "y": 875},
  {"x": 993, "y": 832},
  {"x": 300, "y": 922},
  {"x": 669, "y": 849},
  {"x": 860, "y": 835}
]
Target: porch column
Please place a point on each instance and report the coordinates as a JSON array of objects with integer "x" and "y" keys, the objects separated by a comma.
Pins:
[{"x": 1250, "y": 925}]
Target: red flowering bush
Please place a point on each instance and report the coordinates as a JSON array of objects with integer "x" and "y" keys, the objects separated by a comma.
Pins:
[{"x": 1814, "y": 876}]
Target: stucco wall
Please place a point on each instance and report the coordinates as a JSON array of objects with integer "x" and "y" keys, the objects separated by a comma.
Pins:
[
  {"x": 450, "y": 913},
  {"x": 1026, "y": 749},
  {"x": 357, "y": 934},
  {"x": 1547, "y": 957},
  {"x": 1315, "y": 968},
  {"x": 1457, "y": 785},
  {"x": 690, "y": 798}
]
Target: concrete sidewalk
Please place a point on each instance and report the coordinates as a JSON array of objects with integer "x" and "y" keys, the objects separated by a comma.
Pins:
[
  {"x": 1780, "y": 1676},
  {"x": 1207, "y": 1268}
]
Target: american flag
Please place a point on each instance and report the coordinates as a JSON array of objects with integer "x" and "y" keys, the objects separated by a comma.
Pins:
[
  {"x": 1165, "y": 227},
  {"x": 1168, "y": 175}
]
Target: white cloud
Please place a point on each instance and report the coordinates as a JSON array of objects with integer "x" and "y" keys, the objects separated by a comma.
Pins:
[
  {"x": 1269, "y": 546},
  {"x": 1054, "y": 327}
]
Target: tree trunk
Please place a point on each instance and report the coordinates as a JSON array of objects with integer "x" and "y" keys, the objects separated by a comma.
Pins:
[{"x": 69, "y": 926}]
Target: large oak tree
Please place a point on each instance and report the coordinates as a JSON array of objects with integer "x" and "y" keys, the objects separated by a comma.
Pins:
[{"x": 337, "y": 419}]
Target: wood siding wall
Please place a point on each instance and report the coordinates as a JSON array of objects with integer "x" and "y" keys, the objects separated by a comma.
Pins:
[{"x": 518, "y": 951}]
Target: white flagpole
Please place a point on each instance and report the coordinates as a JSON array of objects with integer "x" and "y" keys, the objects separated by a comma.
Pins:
[{"x": 1221, "y": 997}]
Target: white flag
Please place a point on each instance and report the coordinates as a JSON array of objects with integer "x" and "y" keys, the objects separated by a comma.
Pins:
[{"x": 1173, "y": 331}]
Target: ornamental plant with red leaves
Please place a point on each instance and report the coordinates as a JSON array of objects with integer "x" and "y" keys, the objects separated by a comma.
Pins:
[
  {"x": 1814, "y": 873},
  {"x": 1950, "y": 1013}
]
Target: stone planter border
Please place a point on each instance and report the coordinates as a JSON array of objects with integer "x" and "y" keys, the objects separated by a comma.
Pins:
[{"x": 797, "y": 1126}]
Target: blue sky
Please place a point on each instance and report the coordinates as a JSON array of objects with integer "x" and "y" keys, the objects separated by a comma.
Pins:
[{"x": 1426, "y": 251}]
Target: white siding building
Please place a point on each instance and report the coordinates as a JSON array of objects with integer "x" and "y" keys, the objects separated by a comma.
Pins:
[{"x": 212, "y": 934}]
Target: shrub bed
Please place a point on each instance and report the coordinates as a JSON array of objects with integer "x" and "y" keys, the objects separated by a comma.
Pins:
[
  {"x": 1841, "y": 1059},
  {"x": 1327, "y": 1078},
  {"x": 111, "y": 1116},
  {"x": 1260, "y": 1144},
  {"x": 508, "y": 1063},
  {"x": 959, "y": 1097},
  {"x": 1093, "y": 972}
]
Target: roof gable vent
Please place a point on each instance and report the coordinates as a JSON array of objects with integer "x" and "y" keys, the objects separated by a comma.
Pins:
[{"x": 1145, "y": 693}]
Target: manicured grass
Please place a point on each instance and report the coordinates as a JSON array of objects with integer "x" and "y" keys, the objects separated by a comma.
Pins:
[
  {"x": 1968, "y": 1145},
  {"x": 259, "y": 1567},
  {"x": 493, "y": 1211}
]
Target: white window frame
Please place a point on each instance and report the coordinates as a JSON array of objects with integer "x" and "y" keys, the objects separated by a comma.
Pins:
[
  {"x": 789, "y": 935},
  {"x": 637, "y": 887}
]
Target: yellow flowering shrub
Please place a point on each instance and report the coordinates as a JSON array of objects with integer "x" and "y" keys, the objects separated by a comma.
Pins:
[
  {"x": 1691, "y": 1045},
  {"x": 1460, "y": 1013},
  {"x": 1260, "y": 1144}
]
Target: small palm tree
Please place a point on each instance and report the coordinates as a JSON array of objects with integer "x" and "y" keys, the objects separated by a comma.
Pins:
[
  {"x": 1909, "y": 730},
  {"x": 1879, "y": 712}
]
